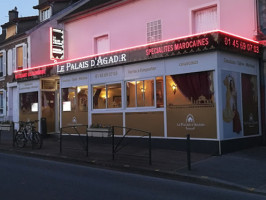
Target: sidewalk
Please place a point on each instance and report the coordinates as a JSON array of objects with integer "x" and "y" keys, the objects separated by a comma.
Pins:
[{"x": 243, "y": 170}]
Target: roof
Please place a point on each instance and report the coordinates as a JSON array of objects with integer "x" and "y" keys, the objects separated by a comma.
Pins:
[
  {"x": 20, "y": 19},
  {"x": 47, "y": 3},
  {"x": 90, "y": 6}
]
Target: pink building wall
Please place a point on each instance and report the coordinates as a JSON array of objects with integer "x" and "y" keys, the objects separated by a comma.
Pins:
[
  {"x": 126, "y": 24},
  {"x": 40, "y": 44}
]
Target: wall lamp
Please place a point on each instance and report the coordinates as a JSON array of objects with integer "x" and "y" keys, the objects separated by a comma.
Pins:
[{"x": 174, "y": 88}]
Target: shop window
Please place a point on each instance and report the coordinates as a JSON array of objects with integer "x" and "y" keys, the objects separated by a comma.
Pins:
[
  {"x": 74, "y": 105},
  {"x": 190, "y": 105},
  {"x": 68, "y": 99},
  {"x": 45, "y": 14},
  {"x": 102, "y": 44},
  {"x": 205, "y": 19},
  {"x": 29, "y": 102},
  {"x": 82, "y": 93},
  {"x": 75, "y": 99},
  {"x": 107, "y": 96},
  {"x": 192, "y": 88},
  {"x": 140, "y": 93},
  {"x": 154, "y": 31}
]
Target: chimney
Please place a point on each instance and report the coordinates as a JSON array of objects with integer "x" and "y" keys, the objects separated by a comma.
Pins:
[{"x": 13, "y": 14}]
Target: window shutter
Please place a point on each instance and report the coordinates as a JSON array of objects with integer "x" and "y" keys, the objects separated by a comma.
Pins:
[
  {"x": 25, "y": 55},
  {"x": 4, "y": 63},
  {"x": 102, "y": 44},
  {"x": 9, "y": 61},
  {"x": 205, "y": 20},
  {"x": 4, "y": 102},
  {"x": 14, "y": 58}
]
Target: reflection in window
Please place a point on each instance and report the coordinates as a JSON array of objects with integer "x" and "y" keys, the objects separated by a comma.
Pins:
[
  {"x": 69, "y": 99},
  {"x": 140, "y": 93},
  {"x": 82, "y": 92},
  {"x": 107, "y": 96}
]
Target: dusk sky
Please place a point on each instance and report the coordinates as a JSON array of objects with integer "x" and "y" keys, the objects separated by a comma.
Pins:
[{"x": 24, "y": 9}]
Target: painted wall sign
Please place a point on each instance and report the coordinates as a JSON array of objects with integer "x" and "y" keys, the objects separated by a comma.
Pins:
[
  {"x": 57, "y": 44},
  {"x": 217, "y": 40}
]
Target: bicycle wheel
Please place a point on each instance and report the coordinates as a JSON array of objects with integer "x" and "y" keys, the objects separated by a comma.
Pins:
[
  {"x": 36, "y": 140},
  {"x": 20, "y": 139}
]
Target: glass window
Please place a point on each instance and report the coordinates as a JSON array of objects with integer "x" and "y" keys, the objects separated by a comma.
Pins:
[
  {"x": 68, "y": 99},
  {"x": 45, "y": 14},
  {"x": 1, "y": 64},
  {"x": 205, "y": 19},
  {"x": 29, "y": 102},
  {"x": 159, "y": 92},
  {"x": 154, "y": 31},
  {"x": 114, "y": 96},
  {"x": 1, "y": 103},
  {"x": 74, "y": 105},
  {"x": 140, "y": 93},
  {"x": 19, "y": 56},
  {"x": 131, "y": 93},
  {"x": 192, "y": 88},
  {"x": 82, "y": 98},
  {"x": 107, "y": 96}
]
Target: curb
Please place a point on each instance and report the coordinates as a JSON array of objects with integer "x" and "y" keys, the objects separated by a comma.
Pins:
[{"x": 201, "y": 180}]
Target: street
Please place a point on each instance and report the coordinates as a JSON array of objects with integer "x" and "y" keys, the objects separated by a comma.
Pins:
[{"x": 31, "y": 178}]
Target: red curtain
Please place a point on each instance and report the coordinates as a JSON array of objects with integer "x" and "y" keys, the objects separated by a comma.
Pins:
[{"x": 194, "y": 85}]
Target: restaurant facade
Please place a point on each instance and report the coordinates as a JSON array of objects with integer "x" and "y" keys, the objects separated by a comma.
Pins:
[{"x": 205, "y": 85}]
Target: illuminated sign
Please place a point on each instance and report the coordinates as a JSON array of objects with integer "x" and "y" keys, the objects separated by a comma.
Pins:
[
  {"x": 29, "y": 74},
  {"x": 57, "y": 44},
  {"x": 215, "y": 40},
  {"x": 92, "y": 63}
]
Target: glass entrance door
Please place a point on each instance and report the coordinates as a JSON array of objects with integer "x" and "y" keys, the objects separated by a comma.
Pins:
[
  {"x": 48, "y": 110},
  {"x": 50, "y": 104}
]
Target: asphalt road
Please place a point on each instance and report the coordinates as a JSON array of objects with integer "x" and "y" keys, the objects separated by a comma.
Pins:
[{"x": 30, "y": 178}]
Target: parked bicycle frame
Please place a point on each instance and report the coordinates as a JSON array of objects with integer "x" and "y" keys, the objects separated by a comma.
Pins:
[{"x": 27, "y": 133}]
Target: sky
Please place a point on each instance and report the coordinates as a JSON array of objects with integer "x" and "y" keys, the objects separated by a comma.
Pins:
[{"x": 24, "y": 9}]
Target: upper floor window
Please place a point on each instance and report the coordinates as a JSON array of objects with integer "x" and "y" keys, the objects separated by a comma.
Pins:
[
  {"x": 102, "y": 44},
  {"x": 11, "y": 31},
  {"x": 45, "y": 14},
  {"x": 154, "y": 31},
  {"x": 2, "y": 63},
  {"x": 205, "y": 19},
  {"x": 19, "y": 57}
]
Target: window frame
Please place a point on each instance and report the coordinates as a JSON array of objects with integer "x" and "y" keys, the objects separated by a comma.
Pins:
[
  {"x": 95, "y": 39},
  {"x": 45, "y": 13},
  {"x": 202, "y": 7},
  {"x": 106, "y": 94},
  {"x": 136, "y": 97},
  {"x": 151, "y": 28},
  {"x": 3, "y": 63},
  {"x": 24, "y": 57}
]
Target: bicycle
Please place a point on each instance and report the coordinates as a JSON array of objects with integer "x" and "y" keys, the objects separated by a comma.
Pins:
[{"x": 27, "y": 132}]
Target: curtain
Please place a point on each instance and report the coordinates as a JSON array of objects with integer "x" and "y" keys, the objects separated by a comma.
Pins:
[{"x": 194, "y": 85}]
